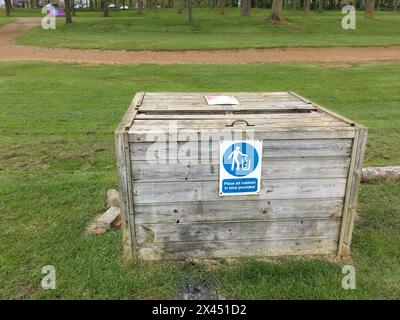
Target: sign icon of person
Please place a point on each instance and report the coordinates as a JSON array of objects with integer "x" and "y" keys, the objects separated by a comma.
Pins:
[{"x": 235, "y": 158}]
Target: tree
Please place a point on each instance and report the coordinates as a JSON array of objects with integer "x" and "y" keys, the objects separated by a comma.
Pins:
[
  {"x": 8, "y": 7},
  {"x": 276, "y": 15},
  {"x": 106, "y": 11},
  {"x": 246, "y": 7},
  {"x": 306, "y": 7},
  {"x": 73, "y": 7},
  {"x": 181, "y": 6},
  {"x": 140, "y": 7},
  {"x": 190, "y": 10},
  {"x": 320, "y": 6},
  {"x": 369, "y": 8},
  {"x": 294, "y": 5},
  {"x": 68, "y": 17},
  {"x": 222, "y": 6}
]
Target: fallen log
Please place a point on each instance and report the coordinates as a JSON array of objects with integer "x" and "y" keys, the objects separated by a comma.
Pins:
[{"x": 371, "y": 174}]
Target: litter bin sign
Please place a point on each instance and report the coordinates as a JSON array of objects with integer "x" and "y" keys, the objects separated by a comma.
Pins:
[{"x": 240, "y": 167}]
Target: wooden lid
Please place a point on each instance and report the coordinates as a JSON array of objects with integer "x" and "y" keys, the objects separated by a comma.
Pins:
[
  {"x": 161, "y": 103},
  {"x": 273, "y": 115}
]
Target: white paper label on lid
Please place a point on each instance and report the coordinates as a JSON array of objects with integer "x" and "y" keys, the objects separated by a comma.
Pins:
[{"x": 221, "y": 100}]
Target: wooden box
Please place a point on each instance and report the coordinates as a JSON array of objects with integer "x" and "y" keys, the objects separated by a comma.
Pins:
[{"x": 311, "y": 167}]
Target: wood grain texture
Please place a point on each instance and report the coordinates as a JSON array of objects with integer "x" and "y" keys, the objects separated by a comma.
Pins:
[
  {"x": 234, "y": 230},
  {"x": 125, "y": 179},
  {"x": 208, "y": 190},
  {"x": 240, "y": 248},
  {"x": 239, "y": 133},
  {"x": 351, "y": 196},
  {"x": 259, "y": 123},
  {"x": 245, "y": 210},
  {"x": 284, "y": 168},
  {"x": 209, "y": 152}
]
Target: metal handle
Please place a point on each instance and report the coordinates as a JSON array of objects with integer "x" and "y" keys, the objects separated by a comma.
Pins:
[{"x": 239, "y": 120}]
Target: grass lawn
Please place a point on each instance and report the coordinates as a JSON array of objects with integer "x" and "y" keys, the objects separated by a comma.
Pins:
[
  {"x": 57, "y": 161},
  {"x": 4, "y": 20},
  {"x": 166, "y": 30}
]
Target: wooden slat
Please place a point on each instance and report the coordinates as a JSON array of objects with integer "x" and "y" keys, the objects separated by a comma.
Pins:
[
  {"x": 228, "y": 210},
  {"x": 284, "y": 107},
  {"x": 184, "y": 152},
  {"x": 208, "y": 190},
  {"x": 258, "y": 124},
  {"x": 243, "y": 248},
  {"x": 271, "y": 169},
  {"x": 201, "y": 95},
  {"x": 228, "y": 116},
  {"x": 243, "y": 230},
  {"x": 125, "y": 180},
  {"x": 247, "y": 133},
  {"x": 248, "y": 101},
  {"x": 354, "y": 178}
]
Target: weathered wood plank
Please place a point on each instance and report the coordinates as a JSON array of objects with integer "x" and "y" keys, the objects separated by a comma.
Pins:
[
  {"x": 242, "y": 248},
  {"x": 208, "y": 190},
  {"x": 258, "y": 124},
  {"x": 243, "y": 230},
  {"x": 271, "y": 149},
  {"x": 197, "y": 101},
  {"x": 271, "y": 169},
  {"x": 186, "y": 212},
  {"x": 228, "y": 116},
  {"x": 125, "y": 179},
  {"x": 351, "y": 197},
  {"x": 246, "y": 133},
  {"x": 241, "y": 107},
  {"x": 200, "y": 96}
]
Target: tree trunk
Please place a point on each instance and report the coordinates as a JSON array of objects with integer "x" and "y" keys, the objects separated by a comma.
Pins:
[
  {"x": 190, "y": 10},
  {"x": 73, "y": 7},
  {"x": 181, "y": 6},
  {"x": 369, "y": 8},
  {"x": 276, "y": 15},
  {"x": 320, "y": 6},
  {"x": 306, "y": 8},
  {"x": 68, "y": 18},
  {"x": 222, "y": 6},
  {"x": 246, "y": 6},
  {"x": 294, "y": 5},
  {"x": 106, "y": 11},
  {"x": 140, "y": 7},
  {"x": 8, "y": 7}
]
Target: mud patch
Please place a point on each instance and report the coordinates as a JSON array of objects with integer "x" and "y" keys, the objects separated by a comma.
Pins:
[
  {"x": 197, "y": 292},
  {"x": 23, "y": 292}
]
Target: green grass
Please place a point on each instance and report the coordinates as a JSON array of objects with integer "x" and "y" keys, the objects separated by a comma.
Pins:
[
  {"x": 166, "y": 30},
  {"x": 4, "y": 20},
  {"x": 57, "y": 161}
]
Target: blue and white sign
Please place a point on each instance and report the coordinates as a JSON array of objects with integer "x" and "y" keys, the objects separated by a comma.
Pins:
[{"x": 240, "y": 167}]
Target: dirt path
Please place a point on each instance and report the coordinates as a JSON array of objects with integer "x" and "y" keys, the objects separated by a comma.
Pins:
[{"x": 9, "y": 51}]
